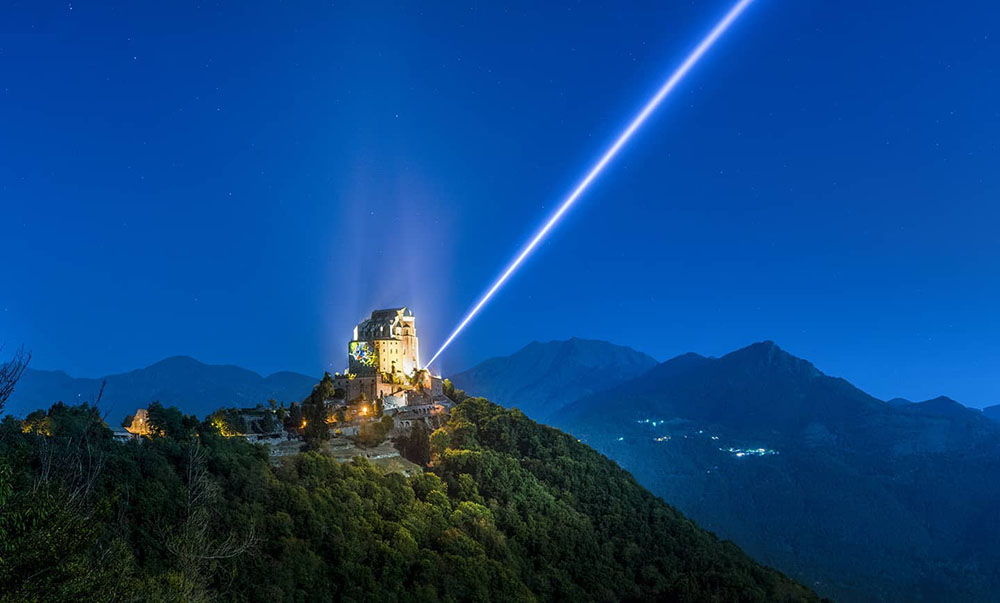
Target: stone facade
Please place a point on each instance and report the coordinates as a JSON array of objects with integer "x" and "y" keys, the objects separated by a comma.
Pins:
[
  {"x": 385, "y": 343},
  {"x": 384, "y": 359}
]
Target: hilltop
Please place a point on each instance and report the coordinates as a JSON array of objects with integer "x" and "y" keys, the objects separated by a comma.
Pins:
[{"x": 510, "y": 510}]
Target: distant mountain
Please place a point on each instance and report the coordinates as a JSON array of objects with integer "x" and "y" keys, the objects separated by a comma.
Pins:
[
  {"x": 180, "y": 381},
  {"x": 861, "y": 499},
  {"x": 763, "y": 391},
  {"x": 992, "y": 412},
  {"x": 899, "y": 402},
  {"x": 858, "y": 498},
  {"x": 943, "y": 406},
  {"x": 541, "y": 377}
]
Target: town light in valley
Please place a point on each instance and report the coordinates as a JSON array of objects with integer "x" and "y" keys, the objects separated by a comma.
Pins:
[{"x": 668, "y": 86}]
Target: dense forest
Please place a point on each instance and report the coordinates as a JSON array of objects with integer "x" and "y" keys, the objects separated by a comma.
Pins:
[{"x": 507, "y": 510}]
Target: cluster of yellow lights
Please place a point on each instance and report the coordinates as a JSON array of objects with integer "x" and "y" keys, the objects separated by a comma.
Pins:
[
  {"x": 223, "y": 428},
  {"x": 42, "y": 427}
]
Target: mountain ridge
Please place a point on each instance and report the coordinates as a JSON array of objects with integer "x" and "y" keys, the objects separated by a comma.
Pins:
[
  {"x": 182, "y": 381},
  {"x": 541, "y": 373}
]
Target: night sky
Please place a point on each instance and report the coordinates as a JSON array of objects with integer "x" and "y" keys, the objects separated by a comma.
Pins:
[{"x": 242, "y": 182}]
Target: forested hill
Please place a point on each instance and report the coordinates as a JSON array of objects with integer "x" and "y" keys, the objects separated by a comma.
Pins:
[{"x": 510, "y": 511}]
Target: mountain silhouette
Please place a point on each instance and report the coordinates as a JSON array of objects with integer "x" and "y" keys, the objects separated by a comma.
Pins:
[
  {"x": 541, "y": 377},
  {"x": 182, "y": 381}
]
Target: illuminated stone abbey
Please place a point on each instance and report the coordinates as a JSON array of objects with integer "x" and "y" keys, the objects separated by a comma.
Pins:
[
  {"x": 384, "y": 361},
  {"x": 385, "y": 343}
]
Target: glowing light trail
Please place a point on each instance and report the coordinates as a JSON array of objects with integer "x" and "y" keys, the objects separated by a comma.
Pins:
[{"x": 678, "y": 74}]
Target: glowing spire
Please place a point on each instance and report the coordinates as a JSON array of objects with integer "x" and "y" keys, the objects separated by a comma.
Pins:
[{"x": 596, "y": 170}]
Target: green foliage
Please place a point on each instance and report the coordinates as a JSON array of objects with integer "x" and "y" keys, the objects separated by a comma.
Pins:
[
  {"x": 268, "y": 423},
  {"x": 457, "y": 395},
  {"x": 415, "y": 446},
  {"x": 373, "y": 433},
  {"x": 314, "y": 415},
  {"x": 9, "y": 520},
  {"x": 316, "y": 430},
  {"x": 513, "y": 512},
  {"x": 293, "y": 418},
  {"x": 322, "y": 392},
  {"x": 170, "y": 422},
  {"x": 584, "y": 528},
  {"x": 229, "y": 422}
]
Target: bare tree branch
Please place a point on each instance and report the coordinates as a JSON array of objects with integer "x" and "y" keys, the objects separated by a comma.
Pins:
[
  {"x": 192, "y": 543},
  {"x": 11, "y": 373}
]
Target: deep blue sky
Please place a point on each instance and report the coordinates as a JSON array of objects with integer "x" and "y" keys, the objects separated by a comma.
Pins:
[{"x": 243, "y": 181}]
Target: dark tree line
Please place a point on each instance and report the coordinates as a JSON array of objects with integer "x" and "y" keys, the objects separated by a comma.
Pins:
[{"x": 509, "y": 510}]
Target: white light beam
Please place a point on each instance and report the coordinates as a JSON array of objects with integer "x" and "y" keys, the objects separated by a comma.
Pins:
[{"x": 696, "y": 54}]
